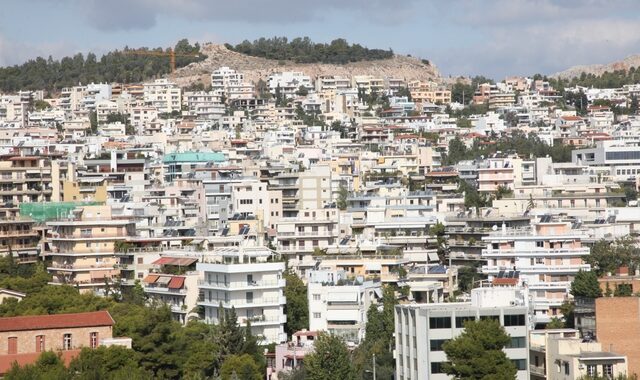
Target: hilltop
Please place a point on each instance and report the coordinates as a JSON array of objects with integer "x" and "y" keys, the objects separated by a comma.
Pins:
[
  {"x": 599, "y": 69},
  {"x": 254, "y": 68}
]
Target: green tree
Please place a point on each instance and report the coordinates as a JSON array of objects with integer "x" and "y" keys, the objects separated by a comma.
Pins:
[
  {"x": 585, "y": 284},
  {"x": 330, "y": 360},
  {"x": 107, "y": 363},
  {"x": 240, "y": 367},
  {"x": 503, "y": 192},
  {"x": 623, "y": 290},
  {"x": 568, "y": 313},
  {"x": 302, "y": 91},
  {"x": 457, "y": 151},
  {"x": 607, "y": 256},
  {"x": 49, "y": 366},
  {"x": 343, "y": 193},
  {"x": 297, "y": 306},
  {"x": 555, "y": 323},
  {"x": 478, "y": 353}
]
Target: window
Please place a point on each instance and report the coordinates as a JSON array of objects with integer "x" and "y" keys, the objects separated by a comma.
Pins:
[
  {"x": 436, "y": 367},
  {"x": 440, "y": 322},
  {"x": 66, "y": 342},
  {"x": 566, "y": 368},
  {"x": 539, "y": 244},
  {"x": 317, "y": 315},
  {"x": 592, "y": 370},
  {"x": 40, "y": 347},
  {"x": 607, "y": 370},
  {"x": 140, "y": 261},
  {"x": 436, "y": 344},
  {"x": 461, "y": 320},
  {"x": 514, "y": 320},
  {"x": 521, "y": 364},
  {"x": 316, "y": 297},
  {"x": 13, "y": 345},
  {"x": 93, "y": 340},
  {"x": 517, "y": 342},
  {"x": 249, "y": 297}
]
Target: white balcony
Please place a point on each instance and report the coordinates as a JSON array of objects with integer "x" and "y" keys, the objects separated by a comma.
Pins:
[
  {"x": 243, "y": 285},
  {"x": 535, "y": 252},
  {"x": 244, "y": 303}
]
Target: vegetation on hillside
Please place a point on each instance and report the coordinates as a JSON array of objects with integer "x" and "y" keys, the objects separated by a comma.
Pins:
[
  {"x": 123, "y": 66},
  {"x": 608, "y": 79},
  {"x": 303, "y": 50}
]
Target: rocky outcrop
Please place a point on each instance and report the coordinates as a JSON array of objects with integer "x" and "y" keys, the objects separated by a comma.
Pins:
[
  {"x": 255, "y": 68},
  {"x": 576, "y": 71}
]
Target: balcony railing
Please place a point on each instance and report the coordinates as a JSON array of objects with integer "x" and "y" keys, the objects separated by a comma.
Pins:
[{"x": 242, "y": 284}]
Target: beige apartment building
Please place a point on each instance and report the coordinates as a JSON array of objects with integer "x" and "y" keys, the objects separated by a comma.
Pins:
[{"x": 83, "y": 247}]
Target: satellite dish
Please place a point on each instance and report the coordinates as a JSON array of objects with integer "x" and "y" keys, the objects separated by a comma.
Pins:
[{"x": 494, "y": 228}]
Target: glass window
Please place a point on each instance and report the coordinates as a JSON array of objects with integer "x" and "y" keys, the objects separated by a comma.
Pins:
[
  {"x": 521, "y": 364},
  {"x": 566, "y": 368},
  {"x": 461, "y": 320},
  {"x": 592, "y": 370},
  {"x": 66, "y": 342},
  {"x": 440, "y": 322},
  {"x": 607, "y": 370},
  {"x": 437, "y": 367},
  {"x": 517, "y": 342},
  {"x": 436, "y": 344},
  {"x": 514, "y": 320}
]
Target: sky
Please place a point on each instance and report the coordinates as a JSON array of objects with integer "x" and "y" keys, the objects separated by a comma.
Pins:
[{"x": 494, "y": 38}]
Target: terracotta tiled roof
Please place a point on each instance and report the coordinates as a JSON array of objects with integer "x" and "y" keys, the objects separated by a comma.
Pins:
[{"x": 56, "y": 321}]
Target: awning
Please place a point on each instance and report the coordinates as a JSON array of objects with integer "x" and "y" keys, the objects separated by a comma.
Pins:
[
  {"x": 180, "y": 261},
  {"x": 99, "y": 275},
  {"x": 433, "y": 256},
  {"x": 373, "y": 266},
  {"x": 150, "y": 279},
  {"x": 176, "y": 283},
  {"x": 163, "y": 280}
]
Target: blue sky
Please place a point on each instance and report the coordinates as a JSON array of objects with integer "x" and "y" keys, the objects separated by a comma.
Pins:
[{"x": 462, "y": 37}]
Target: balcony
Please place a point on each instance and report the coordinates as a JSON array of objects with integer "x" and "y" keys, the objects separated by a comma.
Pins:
[
  {"x": 72, "y": 267},
  {"x": 244, "y": 303},
  {"x": 164, "y": 290},
  {"x": 261, "y": 320},
  {"x": 535, "y": 252},
  {"x": 242, "y": 285},
  {"x": 538, "y": 371},
  {"x": 538, "y": 269}
]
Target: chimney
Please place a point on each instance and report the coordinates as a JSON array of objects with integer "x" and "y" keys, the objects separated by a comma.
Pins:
[{"x": 623, "y": 271}]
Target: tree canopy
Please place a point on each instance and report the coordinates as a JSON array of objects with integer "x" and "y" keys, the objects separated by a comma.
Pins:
[
  {"x": 303, "y": 50},
  {"x": 123, "y": 66},
  {"x": 478, "y": 353},
  {"x": 608, "y": 256},
  {"x": 331, "y": 359},
  {"x": 585, "y": 284},
  {"x": 297, "y": 306}
]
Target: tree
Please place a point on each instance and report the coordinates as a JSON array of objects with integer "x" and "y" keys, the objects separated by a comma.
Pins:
[
  {"x": 302, "y": 91},
  {"x": 330, "y": 360},
  {"x": 607, "y": 256},
  {"x": 240, "y": 367},
  {"x": 585, "y": 284},
  {"x": 478, "y": 353},
  {"x": 49, "y": 366},
  {"x": 343, "y": 193},
  {"x": 457, "y": 151},
  {"x": 107, "y": 363},
  {"x": 623, "y": 290},
  {"x": 503, "y": 192},
  {"x": 297, "y": 306},
  {"x": 555, "y": 323},
  {"x": 568, "y": 313}
]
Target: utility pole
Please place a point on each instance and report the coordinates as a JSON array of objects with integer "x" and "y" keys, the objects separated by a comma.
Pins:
[{"x": 374, "y": 366}]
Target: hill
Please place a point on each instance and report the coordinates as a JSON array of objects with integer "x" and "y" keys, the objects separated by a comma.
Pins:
[
  {"x": 599, "y": 69},
  {"x": 255, "y": 68}
]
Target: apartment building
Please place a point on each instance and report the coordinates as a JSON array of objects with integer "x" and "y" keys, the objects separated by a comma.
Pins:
[
  {"x": 545, "y": 256},
  {"x": 429, "y": 93},
  {"x": 313, "y": 230},
  {"x": 179, "y": 292},
  {"x": 249, "y": 280},
  {"x": 230, "y": 83},
  {"x": 290, "y": 355},
  {"x": 163, "y": 95},
  {"x": 340, "y": 307},
  {"x": 618, "y": 327},
  {"x": 24, "y": 179},
  {"x": 83, "y": 247},
  {"x": 288, "y": 82},
  {"x": 368, "y": 83},
  {"x": 332, "y": 83},
  {"x": 562, "y": 354},
  {"x": 20, "y": 238},
  {"x": 205, "y": 105},
  {"x": 616, "y": 160},
  {"x": 422, "y": 329}
]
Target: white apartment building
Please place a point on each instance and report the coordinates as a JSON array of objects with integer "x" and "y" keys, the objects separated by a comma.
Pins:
[
  {"x": 332, "y": 83},
  {"x": 140, "y": 116},
  {"x": 163, "y": 95},
  {"x": 230, "y": 83},
  {"x": 313, "y": 229},
  {"x": 205, "y": 105},
  {"x": 93, "y": 93},
  {"x": 340, "y": 307},
  {"x": 422, "y": 329},
  {"x": 617, "y": 159},
  {"x": 289, "y": 82},
  {"x": 545, "y": 257},
  {"x": 245, "y": 278}
]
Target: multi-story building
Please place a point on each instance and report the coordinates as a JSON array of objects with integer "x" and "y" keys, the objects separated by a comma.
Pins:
[
  {"x": 545, "y": 257},
  {"x": 230, "y": 83},
  {"x": 562, "y": 354},
  {"x": 24, "y": 179},
  {"x": 288, "y": 82},
  {"x": 422, "y": 329},
  {"x": 618, "y": 327},
  {"x": 19, "y": 238},
  {"x": 249, "y": 280},
  {"x": 83, "y": 247},
  {"x": 163, "y": 95},
  {"x": 340, "y": 307},
  {"x": 612, "y": 159}
]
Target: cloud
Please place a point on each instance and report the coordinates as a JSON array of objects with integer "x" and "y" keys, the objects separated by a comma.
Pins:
[
  {"x": 143, "y": 14},
  {"x": 12, "y": 52}
]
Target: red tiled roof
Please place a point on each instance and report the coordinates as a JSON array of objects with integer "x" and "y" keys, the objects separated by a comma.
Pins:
[
  {"x": 56, "y": 321},
  {"x": 176, "y": 282}
]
